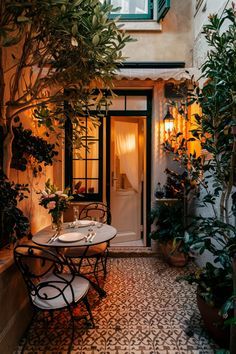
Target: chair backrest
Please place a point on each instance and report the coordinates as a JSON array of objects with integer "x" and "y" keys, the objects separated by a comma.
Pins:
[
  {"x": 96, "y": 210},
  {"x": 36, "y": 265}
]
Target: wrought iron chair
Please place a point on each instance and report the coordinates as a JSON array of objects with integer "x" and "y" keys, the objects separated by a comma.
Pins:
[
  {"x": 97, "y": 210},
  {"x": 91, "y": 257},
  {"x": 50, "y": 289}
]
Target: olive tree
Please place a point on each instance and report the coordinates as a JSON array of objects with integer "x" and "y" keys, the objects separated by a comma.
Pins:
[{"x": 52, "y": 51}]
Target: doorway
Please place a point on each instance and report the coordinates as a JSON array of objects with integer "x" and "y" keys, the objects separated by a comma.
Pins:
[{"x": 128, "y": 170}]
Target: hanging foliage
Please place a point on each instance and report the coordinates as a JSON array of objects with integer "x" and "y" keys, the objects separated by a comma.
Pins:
[{"x": 30, "y": 149}]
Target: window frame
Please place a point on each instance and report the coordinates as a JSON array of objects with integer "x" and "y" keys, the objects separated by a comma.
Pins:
[
  {"x": 69, "y": 178},
  {"x": 138, "y": 17},
  {"x": 198, "y": 4}
]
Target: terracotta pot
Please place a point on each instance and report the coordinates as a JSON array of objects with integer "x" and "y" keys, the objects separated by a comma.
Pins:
[
  {"x": 214, "y": 323},
  {"x": 173, "y": 255},
  {"x": 154, "y": 245}
]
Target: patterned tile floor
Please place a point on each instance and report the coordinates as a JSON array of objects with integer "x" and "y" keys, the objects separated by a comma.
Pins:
[{"x": 145, "y": 312}]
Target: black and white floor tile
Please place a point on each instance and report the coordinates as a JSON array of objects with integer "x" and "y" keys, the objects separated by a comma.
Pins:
[{"x": 145, "y": 312}]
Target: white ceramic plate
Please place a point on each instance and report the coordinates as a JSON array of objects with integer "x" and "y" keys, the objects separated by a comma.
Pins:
[
  {"x": 83, "y": 223},
  {"x": 71, "y": 237}
]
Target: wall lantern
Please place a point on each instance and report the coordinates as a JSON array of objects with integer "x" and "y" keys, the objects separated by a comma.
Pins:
[{"x": 168, "y": 122}]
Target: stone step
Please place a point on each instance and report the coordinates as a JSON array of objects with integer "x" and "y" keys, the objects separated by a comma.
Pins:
[{"x": 127, "y": 251}]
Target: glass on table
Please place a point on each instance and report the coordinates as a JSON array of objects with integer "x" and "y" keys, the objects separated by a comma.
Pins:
[
  {"x": 76, "y": 214},
  {"x": 92, "y": 224},
  {"x": 99, "y": 222}
]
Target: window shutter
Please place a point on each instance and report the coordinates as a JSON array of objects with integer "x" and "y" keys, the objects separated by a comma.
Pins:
[{"x": 162, "y": 8}]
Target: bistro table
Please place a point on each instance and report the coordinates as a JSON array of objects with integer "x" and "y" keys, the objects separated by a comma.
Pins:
[{"x": 105, "y": 233}]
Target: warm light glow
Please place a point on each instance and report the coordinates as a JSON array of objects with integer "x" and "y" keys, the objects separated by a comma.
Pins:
[
  {"x": 127, "y": 145},
  {"x": 169, "y": 125},
  {"x": 168, "y": 122}
]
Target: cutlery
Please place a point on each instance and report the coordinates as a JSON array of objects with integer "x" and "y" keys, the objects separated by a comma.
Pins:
[
  {"x": 88, "y": 236},
  {"x": 53, "y": 238},
  {"x": 92, "y": 236}
]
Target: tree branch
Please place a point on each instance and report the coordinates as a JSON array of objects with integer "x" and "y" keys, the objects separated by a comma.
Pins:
[
  {"x": 17, "y": 77},
  {"x": 2, "y": 89}
]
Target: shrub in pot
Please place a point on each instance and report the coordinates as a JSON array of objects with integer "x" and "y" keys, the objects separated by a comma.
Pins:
[
  {"x": 168, "y": 229},
  {"x": 214, "y": 287}
]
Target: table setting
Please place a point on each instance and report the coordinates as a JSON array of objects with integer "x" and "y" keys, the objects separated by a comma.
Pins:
[{"x": 76, "y": 234}]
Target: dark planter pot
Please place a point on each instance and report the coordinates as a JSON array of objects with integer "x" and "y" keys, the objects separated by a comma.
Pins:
[
  {"x": 214, "y": 323},
  {"x": 173, "y": 255}
]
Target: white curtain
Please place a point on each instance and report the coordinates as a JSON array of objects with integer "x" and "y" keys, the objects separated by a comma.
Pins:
[{"x": 126, "y": 145}]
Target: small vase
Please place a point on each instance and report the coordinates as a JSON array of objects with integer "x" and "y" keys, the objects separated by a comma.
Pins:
[{"x": 57, "y": 221}]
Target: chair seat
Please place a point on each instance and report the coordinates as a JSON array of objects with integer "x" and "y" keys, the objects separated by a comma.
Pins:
[
  {"x": 92, "y": 251},
  {"x": 49, "y": 298}
]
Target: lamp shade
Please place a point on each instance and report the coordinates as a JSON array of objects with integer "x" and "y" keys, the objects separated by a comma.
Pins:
[{"x": 168, "y": 121}]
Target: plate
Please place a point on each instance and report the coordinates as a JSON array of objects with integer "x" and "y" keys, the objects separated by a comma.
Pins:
[
  {"x": 83, "y": 223},
  {"x": 71, "y": 237}
]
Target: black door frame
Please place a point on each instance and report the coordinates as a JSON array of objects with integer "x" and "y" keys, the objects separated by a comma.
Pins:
[{"x": 147, "y": 113}]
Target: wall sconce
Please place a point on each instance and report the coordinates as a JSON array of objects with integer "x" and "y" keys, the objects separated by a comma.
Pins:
[{"x": 168, "y": 122}]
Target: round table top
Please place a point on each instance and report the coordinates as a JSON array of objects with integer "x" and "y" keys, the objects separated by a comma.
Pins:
[{"x": 103, "y": 234}]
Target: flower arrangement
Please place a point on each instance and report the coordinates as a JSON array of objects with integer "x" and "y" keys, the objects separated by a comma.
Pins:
[{"x": 56, "y": 202}]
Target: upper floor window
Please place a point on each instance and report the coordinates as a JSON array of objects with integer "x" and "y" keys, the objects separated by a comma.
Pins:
[
  {"x": 140, "y": 9},
  {"x": 133, "y": 10}
]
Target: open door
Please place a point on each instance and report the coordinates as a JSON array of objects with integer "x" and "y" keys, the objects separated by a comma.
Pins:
[{"x": 127, "y": 176}]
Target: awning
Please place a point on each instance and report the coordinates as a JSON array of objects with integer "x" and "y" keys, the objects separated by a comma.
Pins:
[{"x": 158, "y": 74}]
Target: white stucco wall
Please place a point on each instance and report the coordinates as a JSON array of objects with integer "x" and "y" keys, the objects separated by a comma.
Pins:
[
  {"x": 172, "y": 42},
  {"x": 207, "y": 8}
]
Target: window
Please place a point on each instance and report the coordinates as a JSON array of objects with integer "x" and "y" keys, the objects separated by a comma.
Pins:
[
  {"x": 135, "y": 9},
  {"x": 129, "y": 103},
  {"x": 140, "y": 9},
  {"x": 83, "y": 167},
  {"x": 163, "y": 7}
]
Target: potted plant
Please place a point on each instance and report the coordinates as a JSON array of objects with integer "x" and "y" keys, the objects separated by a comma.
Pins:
[
  {"x": 168, "y": 229},
  {"x": 214, "y": 173},
  {"x": 214, "y": 288}
]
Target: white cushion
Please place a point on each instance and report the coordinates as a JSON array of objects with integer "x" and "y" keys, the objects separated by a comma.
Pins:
[
  {"x": 49, "y": 297},
  {"x": 92, "y": 251}
]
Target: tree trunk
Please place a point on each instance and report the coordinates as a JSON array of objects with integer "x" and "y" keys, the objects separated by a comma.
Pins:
[
  {"x": 7, "y": 153},
  {"x": 8, "y": 139},
  {"x": 233, "y": 326}
]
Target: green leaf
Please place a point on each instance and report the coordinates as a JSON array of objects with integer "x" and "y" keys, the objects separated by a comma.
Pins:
[
  {"x": 74, "y": 29},
  {"x": 231, "y": 321},
  {"x": 95, "y": 21},
  {"x": 77, "y": 3},
  {"x": 96, "y": 40},
  {"x": 9, "y": 41},
  {"x": 23, "y": 19}
]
